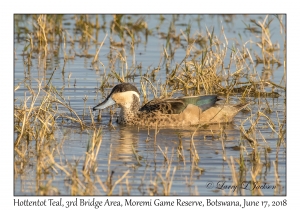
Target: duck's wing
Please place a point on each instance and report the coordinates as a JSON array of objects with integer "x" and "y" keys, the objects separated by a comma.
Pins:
[
  {"x": 177, "y": 105},
  {"x": 204, "y": 102}
]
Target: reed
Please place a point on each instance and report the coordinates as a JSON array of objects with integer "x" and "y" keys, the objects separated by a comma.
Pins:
[{"x": 212, "y": 64}]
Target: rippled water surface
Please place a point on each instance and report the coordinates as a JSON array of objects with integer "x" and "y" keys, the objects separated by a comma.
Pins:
[{"x": 162, "y": 161}]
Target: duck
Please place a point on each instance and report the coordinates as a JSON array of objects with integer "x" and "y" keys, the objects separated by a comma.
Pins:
[{"x": 182, "y": 111}]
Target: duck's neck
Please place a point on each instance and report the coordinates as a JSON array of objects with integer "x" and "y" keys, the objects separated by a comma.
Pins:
[{"x": 128, "y": 113}]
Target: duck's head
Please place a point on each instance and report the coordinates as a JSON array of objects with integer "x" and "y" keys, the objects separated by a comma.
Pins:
[{"x": 124, "y": 94}]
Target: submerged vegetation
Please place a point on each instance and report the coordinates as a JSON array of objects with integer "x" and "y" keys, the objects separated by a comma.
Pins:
[{"x": 237, "y": 68}]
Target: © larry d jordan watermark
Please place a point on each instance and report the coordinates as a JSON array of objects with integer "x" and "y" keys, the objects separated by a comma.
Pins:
[{"x": 246, "y": 185}]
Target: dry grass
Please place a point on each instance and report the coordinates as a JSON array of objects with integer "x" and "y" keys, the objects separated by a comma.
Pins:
[{"x": 211, "y": 66}]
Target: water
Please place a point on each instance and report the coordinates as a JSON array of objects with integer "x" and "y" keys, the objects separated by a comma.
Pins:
[{"x": 164, "y": 155}]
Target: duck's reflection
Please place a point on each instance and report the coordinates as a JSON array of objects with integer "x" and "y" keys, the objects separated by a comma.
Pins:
[
  {"x": 124, "y": 141},
  {"x": 127, "y": 141}
]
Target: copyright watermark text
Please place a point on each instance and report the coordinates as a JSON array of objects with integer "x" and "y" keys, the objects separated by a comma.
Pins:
[{"x": 246, "y": 185}]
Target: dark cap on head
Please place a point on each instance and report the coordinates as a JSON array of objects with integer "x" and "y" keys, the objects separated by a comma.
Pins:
[{"x": 123, "y": 87}]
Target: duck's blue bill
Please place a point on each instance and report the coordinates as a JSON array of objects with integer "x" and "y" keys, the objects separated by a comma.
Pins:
[{"x": 106, "y": 103}]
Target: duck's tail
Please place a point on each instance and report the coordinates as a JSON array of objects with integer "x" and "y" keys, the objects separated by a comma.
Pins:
[{"x": 240, "y": 106}]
